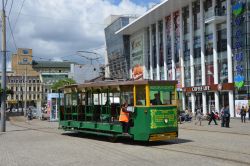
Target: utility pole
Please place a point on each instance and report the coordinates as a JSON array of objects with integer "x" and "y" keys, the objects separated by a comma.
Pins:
[
  {"x": 3, "y": 101},
  {"x": 25, "y": 90}
]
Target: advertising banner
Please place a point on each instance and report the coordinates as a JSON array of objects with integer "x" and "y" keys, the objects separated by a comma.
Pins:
[
  {"x": 238, "y": 105},
  {"x": 137, "y": 57}
]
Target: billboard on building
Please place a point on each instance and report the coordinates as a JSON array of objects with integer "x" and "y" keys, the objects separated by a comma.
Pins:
[
  {"x": 137, "y": 57},
  {"x": 238, "y": 106}
]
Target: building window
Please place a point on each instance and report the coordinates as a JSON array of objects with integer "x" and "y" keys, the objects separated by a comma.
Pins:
[
  {"x": 34, "y": 88},
  {"x": 29, "y": 88},
  {"x": 25, "y": 60},
  {"x": 25, "y": 51},
  {"x": 37, "y": 81}
]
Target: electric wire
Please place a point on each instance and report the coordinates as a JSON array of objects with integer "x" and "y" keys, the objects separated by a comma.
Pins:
[
  {"x": 6, "y": 3},
  {"x": 18, "y": 15},
  {"x": 11, "y": 31},
  {"x": 10, "y": 8}
]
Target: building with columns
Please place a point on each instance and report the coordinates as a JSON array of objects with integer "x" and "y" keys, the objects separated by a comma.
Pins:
[{"x": 204, "y": 44}]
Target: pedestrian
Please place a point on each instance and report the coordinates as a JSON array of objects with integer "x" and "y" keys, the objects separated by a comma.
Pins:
[
  {"x": 212, "y": 117},
  {"x": 226, "y": 117},
  {"x": 243, "y": 114},
  {"x": 248, "y": 112},
  {"x": 124, "y": 118},
  {"x": 195, "y": 113},
  {"x": 198, "y": 117}
]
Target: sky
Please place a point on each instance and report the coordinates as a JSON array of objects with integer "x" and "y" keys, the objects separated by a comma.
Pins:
[{"x": 57, "y": 29}]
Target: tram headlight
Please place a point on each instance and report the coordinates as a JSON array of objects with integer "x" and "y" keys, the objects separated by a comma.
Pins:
[{"x": 166, "y": 120}]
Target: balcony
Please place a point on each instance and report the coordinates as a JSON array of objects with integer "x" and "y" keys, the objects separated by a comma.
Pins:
[{"x": 216, "y": 16}]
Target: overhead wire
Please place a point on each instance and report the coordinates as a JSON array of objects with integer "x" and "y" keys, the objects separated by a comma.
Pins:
[
  {"x": 5, "y": 3},
  {"x": 10, "y": 8},
  {"x": 18, "y": 14},
  {"x": 14, "y": 41}
]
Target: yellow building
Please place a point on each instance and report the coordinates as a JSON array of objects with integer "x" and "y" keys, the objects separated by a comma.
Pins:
[{"x": 22, "y": 62}]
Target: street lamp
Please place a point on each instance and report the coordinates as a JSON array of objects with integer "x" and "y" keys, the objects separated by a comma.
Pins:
[
  {"x": 25, "y": 85},
  {"x": 88, "y": 58}
]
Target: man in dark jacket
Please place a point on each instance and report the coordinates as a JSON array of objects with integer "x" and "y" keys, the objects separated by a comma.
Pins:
[
  {"x": 243, "y": 114},
  {"x": 226, "y": 116},
  {"x": 212, "y": 117},
  {"x": 248, "y": 112}
]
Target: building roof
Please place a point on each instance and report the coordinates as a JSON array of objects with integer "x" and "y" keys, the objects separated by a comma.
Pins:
[
  {"x": 51, "y": 64},
  {"x": 154, "y": 14}
]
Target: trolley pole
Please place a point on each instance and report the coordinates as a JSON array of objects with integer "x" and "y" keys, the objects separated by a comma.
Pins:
[{"x": 3, "y": 96}]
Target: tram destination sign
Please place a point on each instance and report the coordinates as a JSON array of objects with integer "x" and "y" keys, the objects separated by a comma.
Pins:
[{"x": 200, "y": 88}]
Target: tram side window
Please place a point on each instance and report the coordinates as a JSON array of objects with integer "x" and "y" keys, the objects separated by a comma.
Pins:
[
  {"x": 81, "y": 98},
  {"x": 68, "y": 99},
  {"x": 128, "y": 97},
  {"x": 162, "y": 95},
  {"x": 140, "y": 96},
  {"x": 114, "y": 98},
  {"x": 74, "y": 99}
]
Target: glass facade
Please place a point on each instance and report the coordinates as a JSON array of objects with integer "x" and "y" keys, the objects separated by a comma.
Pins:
[
  {"x": 215, "y": 25},
  {"x": 186, "y": 53},
  {"x": 197, "y": 43},
  {"x": 118, "y": 47}
]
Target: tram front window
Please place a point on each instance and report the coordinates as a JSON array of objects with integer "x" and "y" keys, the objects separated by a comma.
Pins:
[
  {"x": 162, "y": 95},
  {"x": 140, "y": 96}
]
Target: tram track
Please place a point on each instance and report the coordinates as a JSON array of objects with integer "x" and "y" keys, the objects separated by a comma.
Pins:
[
  {"x": 180, "y": 148},
  {"x": 205, "y": 155},
  {"x": 222, "y": 132}
]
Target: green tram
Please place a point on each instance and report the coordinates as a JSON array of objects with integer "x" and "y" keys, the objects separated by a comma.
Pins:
[{"x": 95, "y": 107}]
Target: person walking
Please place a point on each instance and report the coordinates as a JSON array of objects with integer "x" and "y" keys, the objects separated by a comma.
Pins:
[
  {"x": 226, "y": 117},
  {"x": 198, "y": 117},
  {"x": 212, "y": 117},
  {"x": 248, "y": 112},
  {"x": 243, "y": 114}
]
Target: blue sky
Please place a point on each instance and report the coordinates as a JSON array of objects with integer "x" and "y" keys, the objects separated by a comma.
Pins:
[{"x": 139, "y": 2}]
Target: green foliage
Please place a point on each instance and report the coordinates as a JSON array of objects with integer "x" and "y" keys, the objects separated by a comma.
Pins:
[
  {"x": 8, "y": 91},
  {"x": 62, "y": 83}
]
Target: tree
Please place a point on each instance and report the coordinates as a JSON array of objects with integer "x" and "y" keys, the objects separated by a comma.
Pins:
[
  {"x": 62, "y": 83},
  {"x": 8, "y": 91}
]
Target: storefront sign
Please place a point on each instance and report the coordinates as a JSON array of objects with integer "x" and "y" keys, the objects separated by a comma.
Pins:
[
  {"x": 212, "y": 87},
  {"x": 200, "y": 88}
]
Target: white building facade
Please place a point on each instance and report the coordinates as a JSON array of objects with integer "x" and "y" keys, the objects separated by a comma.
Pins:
[{"x": 201, "y": 43}]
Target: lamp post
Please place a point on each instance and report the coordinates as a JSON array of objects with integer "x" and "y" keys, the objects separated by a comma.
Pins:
[
  {"x": 88, "y": 58},
  {"x": 25, "y": 85}
]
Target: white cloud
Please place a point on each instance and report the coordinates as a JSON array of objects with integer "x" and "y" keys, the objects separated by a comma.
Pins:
[{"x": 58, "y": 28}]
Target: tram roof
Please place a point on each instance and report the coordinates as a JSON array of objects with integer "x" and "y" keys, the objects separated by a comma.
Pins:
[{"x": 124, "y": 83}]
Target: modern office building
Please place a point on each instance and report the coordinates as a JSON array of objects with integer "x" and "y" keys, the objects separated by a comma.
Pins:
[
  {"x": 117, "y": 46},
  {"x": 204, "y": 44}
]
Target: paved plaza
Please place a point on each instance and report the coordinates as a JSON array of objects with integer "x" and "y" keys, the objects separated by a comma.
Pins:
[{"x": 39, "y": 143}]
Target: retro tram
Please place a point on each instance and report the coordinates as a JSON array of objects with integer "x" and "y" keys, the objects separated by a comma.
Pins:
[{"x": 95, "y": 108}]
